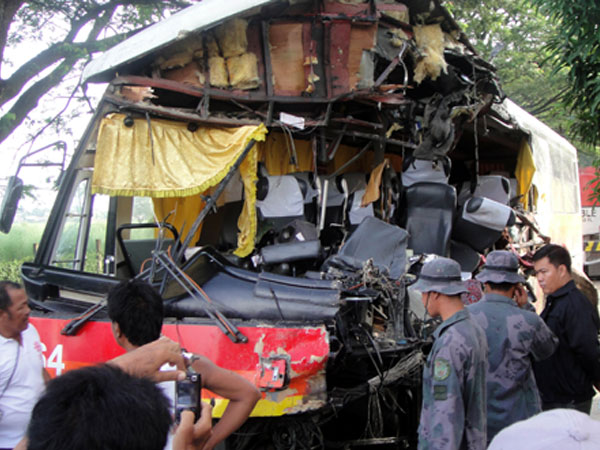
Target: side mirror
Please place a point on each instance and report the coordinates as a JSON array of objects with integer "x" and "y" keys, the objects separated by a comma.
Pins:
[{"x": 12, "y": 195}]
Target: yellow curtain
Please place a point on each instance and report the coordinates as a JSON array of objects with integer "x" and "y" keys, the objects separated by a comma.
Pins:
[
  {"x": 276, "y": 150},
  {"x": 182, "y": 212},
  {"x": 524, "y": 172},
  {"x": 166, "y": 160}
]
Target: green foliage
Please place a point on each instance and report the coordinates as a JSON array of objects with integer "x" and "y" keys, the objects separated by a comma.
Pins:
[
  {"x": 512, "y": 34},
  {"x": 18, "y": 244},
  {"x": 574, "y": 48},
  {"x": 69, "y": 33},
  {"x": 17, "y": 247},
  {"x": 11, "y": 270}
]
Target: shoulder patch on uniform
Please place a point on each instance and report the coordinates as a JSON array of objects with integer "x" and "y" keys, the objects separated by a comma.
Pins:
[
  {"x": 441, "y": 369},
  {"x": 440, "y": 392}
]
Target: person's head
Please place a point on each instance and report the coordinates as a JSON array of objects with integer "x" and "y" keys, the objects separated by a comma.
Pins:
[
  {"x": 556, "y": 429},
  {"x": 14, "y": 309},
  {"x": 552, "y": 265},
  {"x": 136, "y": 310},
  {"x": 500, "y": 274},
  {"x": 439, "y": 282},
  {"x": 98, "y": 408}
]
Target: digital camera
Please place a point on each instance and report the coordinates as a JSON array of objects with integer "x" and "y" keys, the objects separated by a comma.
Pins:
[{"x": 187, "y": 396}]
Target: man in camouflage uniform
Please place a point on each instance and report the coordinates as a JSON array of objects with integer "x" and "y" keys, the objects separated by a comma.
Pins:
[
  {"x": 453, "y": 412},
  {"x": 515, "y": 336}
]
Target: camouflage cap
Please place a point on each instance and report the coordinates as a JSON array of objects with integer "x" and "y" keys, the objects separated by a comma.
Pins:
[
  {"x": 500, "y": 266},
  {"x": 441, "y": 275},
  {"x": 556, "y": 429}
]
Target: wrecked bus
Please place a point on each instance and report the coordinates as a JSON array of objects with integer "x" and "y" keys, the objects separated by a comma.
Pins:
[{"x": 277, "y": 169}]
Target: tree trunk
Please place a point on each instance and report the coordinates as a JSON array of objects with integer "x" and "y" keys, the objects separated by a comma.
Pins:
[{"x": 8, "y": 8}]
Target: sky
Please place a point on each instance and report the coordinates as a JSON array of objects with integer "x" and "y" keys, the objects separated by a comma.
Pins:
[{"x": 16, "y": 145}]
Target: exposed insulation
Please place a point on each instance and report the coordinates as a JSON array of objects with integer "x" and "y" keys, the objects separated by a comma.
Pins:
[
  {"x": 176, "y": 60},
  {"x": 191, "y": 74},
  {"x": 232, "y": 37},
  {"x": 218, "y": 72},
  {"x": 137, "y": 93},
  {"x": 366, "y": 74},
  {"x": 401, "y": 16},
  {"x": 181, "y": 53},
  {"x": 313, "y": 78},
  {"x": 311, "y": 61},
  {"x": 360, "y": 65},
  {"x": 398, "y": 37},
  {"x": 212, "y": 48},
  {"x": 243, "y": 71},
  {"x": 287, "y": 58},
  {"x": 430, "y": 42}
]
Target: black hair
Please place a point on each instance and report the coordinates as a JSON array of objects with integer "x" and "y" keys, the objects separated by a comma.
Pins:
[
  {"x": 138, "y": 310},
  {"x": 502, "y": 287},
  {"x": 556, "y": 254},
  {"x": 5, "y": 300},
  {"x": 99, "y": 408}
]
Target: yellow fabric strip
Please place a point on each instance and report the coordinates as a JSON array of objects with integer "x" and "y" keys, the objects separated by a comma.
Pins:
[{"x": 524, "y": 172}]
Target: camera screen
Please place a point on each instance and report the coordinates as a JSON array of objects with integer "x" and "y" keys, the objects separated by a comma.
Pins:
[{"x": 187, "y": 393}]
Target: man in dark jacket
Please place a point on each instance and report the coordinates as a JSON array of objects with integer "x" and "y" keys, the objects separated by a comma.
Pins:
[{"x": 568, "y": 377}]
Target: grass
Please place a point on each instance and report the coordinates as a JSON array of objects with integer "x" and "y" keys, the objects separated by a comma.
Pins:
[
  {"x": 17, "y": 247},
  {"x": 18, "y": 244}
]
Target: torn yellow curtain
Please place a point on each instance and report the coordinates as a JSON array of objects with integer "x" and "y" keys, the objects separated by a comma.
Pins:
[
  {"x": 167, "y": 160},
  {"x": 524, "y": 172}
]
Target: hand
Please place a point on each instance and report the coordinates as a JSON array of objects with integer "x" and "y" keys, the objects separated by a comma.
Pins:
[
  {"x": 146, "y": 361},
  {"x": 190, "y": 435}
]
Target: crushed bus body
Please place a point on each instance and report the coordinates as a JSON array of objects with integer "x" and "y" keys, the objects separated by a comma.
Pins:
[{"x": 277, "y": 170}]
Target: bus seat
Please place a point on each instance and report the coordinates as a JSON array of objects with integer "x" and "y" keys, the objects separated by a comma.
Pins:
[
  {"x": 494, "y": 187},
  {"x": 279, "y": 200},
  {"x": 388, "y": 251},
  {"x": 468, "y": 258},
  {"x": 481, "y": 222},
  {"x": 220, "y": 228},
  {"x": 425, "y": 171},
  {"x": 310, "y": 192},
  {"x": 356, "y": 213},
  {"x": 427, "y": 212}
]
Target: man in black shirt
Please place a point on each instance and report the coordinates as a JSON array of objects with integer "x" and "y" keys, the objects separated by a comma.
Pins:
[{"x": 568, "y": 377}]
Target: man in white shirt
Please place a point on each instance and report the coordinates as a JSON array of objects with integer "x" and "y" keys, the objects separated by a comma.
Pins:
[{"x": 22, "y": 373}]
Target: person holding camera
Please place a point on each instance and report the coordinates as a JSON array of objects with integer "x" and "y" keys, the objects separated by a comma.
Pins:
[
  {"x": 117, "y": 406},
  {"x": 516, "y": 336},
  {"x": 136, "y": 311}
]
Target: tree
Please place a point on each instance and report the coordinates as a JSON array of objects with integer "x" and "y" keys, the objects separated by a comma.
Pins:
[
  {"x": 575, "y": 48},
  {"x": 513, "y": 34},
  {"x": 71, "y": 32}
]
